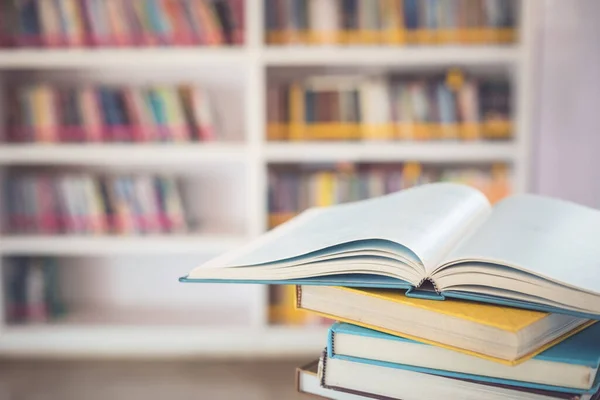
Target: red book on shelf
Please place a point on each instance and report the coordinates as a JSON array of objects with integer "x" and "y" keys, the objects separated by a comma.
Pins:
[
  {"x": 237, "y": 8},
  {"x": 48, "y": 221},
  {"x": 182, "y": 32},
  {"x": 28, "y": 40},
  {"x": 134, "y": 111},
  {"x": 90, "y": 113},
  {"x": 90, "y": 22}
]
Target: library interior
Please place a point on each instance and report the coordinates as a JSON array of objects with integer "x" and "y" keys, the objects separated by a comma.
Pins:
[{"x": 171, "y": 132}]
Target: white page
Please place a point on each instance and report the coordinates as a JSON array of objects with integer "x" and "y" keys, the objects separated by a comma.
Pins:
[
  {"x": 429, "y": 220},
  {"x": 552, "y": 238}
]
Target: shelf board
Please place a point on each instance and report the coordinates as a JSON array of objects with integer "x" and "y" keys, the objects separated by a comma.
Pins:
[
  {"x": 159, "y": 341},
  {"x": 121, "y": 154},
  {"x": 71, "y": 245},
  {"x": 395, "y": 56},
  {"x": 119, "y": 57},
  {"x": 388, "y": 152}
]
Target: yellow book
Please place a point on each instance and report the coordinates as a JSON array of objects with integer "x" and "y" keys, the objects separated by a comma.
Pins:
[
  {"x": 393, "y": 32},
  {"x": 503, "y": 334},
  {"x": 332, "y": 131},
  {"x": 325, "y": 193},
  {"x": 296, "y": 112}
]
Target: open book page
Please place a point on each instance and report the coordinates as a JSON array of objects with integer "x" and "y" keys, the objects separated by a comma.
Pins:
[
  {"x": 428, "y": 220},
  {"x": 552, "y": 238}
]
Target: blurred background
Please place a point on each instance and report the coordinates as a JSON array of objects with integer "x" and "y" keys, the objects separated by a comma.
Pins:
[{"x": 142, "y": 137}]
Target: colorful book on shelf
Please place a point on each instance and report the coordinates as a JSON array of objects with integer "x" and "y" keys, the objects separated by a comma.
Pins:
[
  {"x": 294, "y": 189},
  {"x": 83, "y": 204},
  {"x": 391, "y": 22},
  {"x": 33, "y": 290},
  {"x": 439, "y": 241},
  {"x": 50, "y": 113},
  {"x": 570, "y": 366},
  {"x": 77, "y": 23},
  {"x": 386, "y": 382},
  {"x": 438, "y": 107},
  {"x": 498, "y": 333}
]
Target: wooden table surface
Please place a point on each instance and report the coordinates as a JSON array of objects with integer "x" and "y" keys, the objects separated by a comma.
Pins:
[{"x": 137, "y": 380}]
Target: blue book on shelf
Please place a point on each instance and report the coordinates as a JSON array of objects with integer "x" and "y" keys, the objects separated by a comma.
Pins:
[
  {"x": 28, "y": 18},
  {"x": 309, "y": 106},
  {"x": 436, "y": 241},
  {"x": 573, "y": 362},
  {"x": 411, "y": 14}
]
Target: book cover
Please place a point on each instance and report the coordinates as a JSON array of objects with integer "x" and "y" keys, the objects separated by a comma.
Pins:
[
  {"x": 503, "y": 318},
  {"x": 581, "y": 349}
]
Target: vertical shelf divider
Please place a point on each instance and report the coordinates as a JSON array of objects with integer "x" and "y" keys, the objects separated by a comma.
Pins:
[{"x": 255, "y": 123}]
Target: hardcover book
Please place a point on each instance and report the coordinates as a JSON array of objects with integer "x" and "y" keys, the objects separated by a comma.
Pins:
[
  {"x": 440, "y": 240},
  {"x": 570, "y": 366},
  {"x": 502, "y": 334},
  {"x": 380, "y": 382}
]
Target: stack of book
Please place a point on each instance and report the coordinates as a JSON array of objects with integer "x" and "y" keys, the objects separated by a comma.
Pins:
[
  {"x": 390, "y": 22},
  {"x": 47, "y": 113},
  {"x": 438, "y": 294},
  {"x": 32, "y": 288},
  {"x": 294, "y": 188},
  {"x": 450, "y": 106},
  {"x": 77, "y": 23},
  {"x": 86, "y": 204}
]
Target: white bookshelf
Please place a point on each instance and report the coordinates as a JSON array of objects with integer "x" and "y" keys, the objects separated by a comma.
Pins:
[
  {"x": 127, "y": 245},
  {"x": 168, "y": 154},
  {"x": 227, "y": 184}
]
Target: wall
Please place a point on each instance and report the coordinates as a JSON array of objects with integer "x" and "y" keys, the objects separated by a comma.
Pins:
[{"x": 567, "y": 163}]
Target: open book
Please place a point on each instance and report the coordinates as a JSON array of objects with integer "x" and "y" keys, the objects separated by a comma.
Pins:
[{"x": 438, "y": 240}]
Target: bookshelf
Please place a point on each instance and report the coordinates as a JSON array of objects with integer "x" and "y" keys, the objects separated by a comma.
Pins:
[{"x": 228, "y": 180}]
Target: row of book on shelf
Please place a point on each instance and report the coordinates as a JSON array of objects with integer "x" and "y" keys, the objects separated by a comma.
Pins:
[
  {"x": 293, "y": 189},
  {"x": 77, "y": 23},
  {"x": 32, "y": 290},
  {"x": 390, "y": 22},
  {"x": 79, "y": 203},
  {"x": 49, "y": 113},
  {"x": 436, "y": 293},
  {"x": 450, "y": 106}
]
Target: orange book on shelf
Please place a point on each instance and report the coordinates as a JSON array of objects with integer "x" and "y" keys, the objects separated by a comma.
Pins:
[
  {"x": 378, "y": 131},
  {"x": 448, "y": 131},
  {"x": 448, "y": 36},
  {"x": 296, "y": 112},
  {"x": 392, "y": 12},
  {"x": 497, "y": 129},
  {"x": 470, "y": 131},
  {"x": 278, "y": 218},
  {"x": 277, "y": 131},
  {"x": 316, "y": 37},
  {"x": 500, "y": 184},
  {"x": 506, "y": 35},
  {"x": 332, "y": 131},
  {"x": 422, "y": 131},
  {"x": 210, "y": 24},
  {"x": 426, "y": 36}
]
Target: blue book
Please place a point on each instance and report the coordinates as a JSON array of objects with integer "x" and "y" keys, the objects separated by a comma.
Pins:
[
  {"x": 411, "y": 14},
  {"x": 160, "y": 25},
  {"x": 28, "y": 18},
  {"x": 438, "y": 241},
  {"x": 309, "y": 106},
  {"x": 571, "y": 366}
]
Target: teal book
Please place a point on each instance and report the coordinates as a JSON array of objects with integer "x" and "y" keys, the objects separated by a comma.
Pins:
[
  {"x": 570, "y": 366},
  {"x": 438, "y": 241}
]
